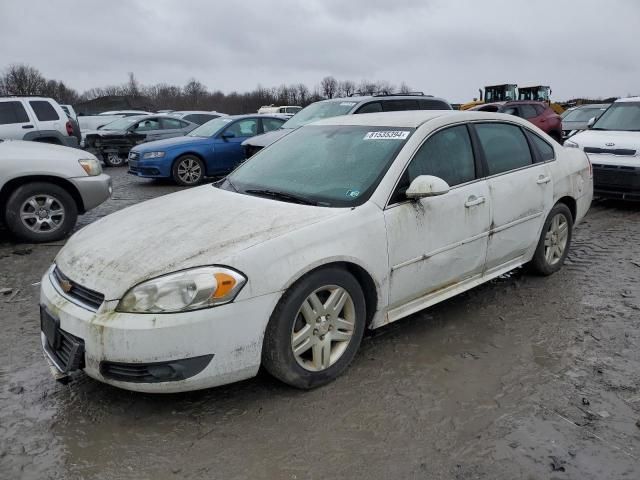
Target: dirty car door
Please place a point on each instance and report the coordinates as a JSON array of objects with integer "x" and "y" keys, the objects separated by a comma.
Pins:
[
  {"x": 436, "y": 242},
  {"x": 521, "y": 192}
]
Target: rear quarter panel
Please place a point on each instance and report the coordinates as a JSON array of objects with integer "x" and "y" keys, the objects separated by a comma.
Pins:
[{"x": 572, "y": 177}]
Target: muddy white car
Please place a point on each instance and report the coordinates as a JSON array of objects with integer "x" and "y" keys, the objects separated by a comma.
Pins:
[{"x": 345, "y": 224}]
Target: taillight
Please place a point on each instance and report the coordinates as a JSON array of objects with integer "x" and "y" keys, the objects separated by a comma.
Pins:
[{"x": 69, "y": 128}]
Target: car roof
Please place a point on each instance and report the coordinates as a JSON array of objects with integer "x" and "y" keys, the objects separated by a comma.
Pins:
[
  {"x": 590, "y": 105},
  {"x": 525, "y": 102},
  {"x": 364, "y": 98},
  {"x": 630, "y": 99},
  {"x": 406, "y": 118},
  {"x": 189, "y": 112}
]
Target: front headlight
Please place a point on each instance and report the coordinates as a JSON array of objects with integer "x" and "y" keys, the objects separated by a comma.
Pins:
[
  {"x": 91, "y": 166},
  {"x": 570, "y": 144},
  {"x": 191, "y": 289},
  {"x": 153, "y": 155}
]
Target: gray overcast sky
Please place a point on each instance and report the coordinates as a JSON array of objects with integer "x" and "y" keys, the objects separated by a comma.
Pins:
[{"x": 448, "y": 48}]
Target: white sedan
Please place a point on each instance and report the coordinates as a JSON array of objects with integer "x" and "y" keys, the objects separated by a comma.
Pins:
[{"x": 345, "y": 224}]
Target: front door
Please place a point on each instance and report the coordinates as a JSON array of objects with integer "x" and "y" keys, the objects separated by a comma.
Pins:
[
  {"x": 228, "y": 148},
  {"x": 521, "y": 192},
  {"x": 437, "y": 242}
]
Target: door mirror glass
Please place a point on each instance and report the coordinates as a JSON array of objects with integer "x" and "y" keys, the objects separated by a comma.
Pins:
[
  {"x": 592, "y": 120},
  {"x": 226, "y": 135},
  {"x": 426, "y": 186}
]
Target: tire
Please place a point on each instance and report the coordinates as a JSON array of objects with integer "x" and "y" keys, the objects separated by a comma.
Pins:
[
  {"x": 40, "y": 212},
  {"x": 326, "y": 341},
  {"x": 113, "y": 159},
  {"x": 187, "y": 170},
  {"x": 546, "y": 261}
]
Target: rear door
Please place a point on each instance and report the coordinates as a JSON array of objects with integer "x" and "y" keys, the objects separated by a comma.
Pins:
[
  {"x": 14, "y": 120},
  {"x": 521, "y": 192},
  {"x": 171, "y": 127}
]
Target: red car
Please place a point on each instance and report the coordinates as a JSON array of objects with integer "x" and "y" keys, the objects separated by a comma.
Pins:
[{"x": 538, "y": 113}]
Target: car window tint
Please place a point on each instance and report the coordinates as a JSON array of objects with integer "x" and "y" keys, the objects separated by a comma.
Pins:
[
  {"x": 544, "y": 149},
  {"x": 505, "y": 147},
  {"x": 172, "y": 124},
  {"x": 447, "y": 155},
  {"x": 397, "y": 105},
  {"x": 527, "y": 111},
  {"x": 44, "y": 110},
  {"x": 539, "y": 109},
  {"x": 244, "y": 128},
  {"x": 269, "y": 124},
  {"x": 434, "y": 105},
  {"x": 370, "y": 108},
  {"x": 12, "y": 112},
  {"x": 146, "y": 125}
]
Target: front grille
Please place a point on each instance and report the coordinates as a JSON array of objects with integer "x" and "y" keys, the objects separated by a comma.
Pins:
[
  {"x": 615, "y": 177},
  {"x": 82, "y": 295},
  {"x": 626, "y": 152}
]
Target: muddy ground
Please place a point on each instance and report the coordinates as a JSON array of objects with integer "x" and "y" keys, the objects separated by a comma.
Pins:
[{"x": 524, "y": 377}]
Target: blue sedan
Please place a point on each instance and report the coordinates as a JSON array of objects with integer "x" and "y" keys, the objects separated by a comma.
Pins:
[{"x": 212, "y": 149}]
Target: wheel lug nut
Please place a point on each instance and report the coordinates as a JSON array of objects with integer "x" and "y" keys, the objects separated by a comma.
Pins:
[{"x": 315, "y": 331}]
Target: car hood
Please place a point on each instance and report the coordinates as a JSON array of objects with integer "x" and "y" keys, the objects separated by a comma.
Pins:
[
  {"x": 168, "y": 143},
  {"x": 268, "y": 138},
  {"x": 200, "y": 226},
  {"x": 33, "y": 151},
  {"x": 574, "y": 125},
  {"x": 600, "y": 139}
]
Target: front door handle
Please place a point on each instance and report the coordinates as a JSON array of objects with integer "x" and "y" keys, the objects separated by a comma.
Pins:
[
  {"x": 472, "y": 201},
  {"x": 542, "y": 180},
  {"x": 27, "y": 126}
]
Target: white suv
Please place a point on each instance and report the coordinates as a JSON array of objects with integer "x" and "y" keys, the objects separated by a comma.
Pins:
[{"x": 38, "y": 119}]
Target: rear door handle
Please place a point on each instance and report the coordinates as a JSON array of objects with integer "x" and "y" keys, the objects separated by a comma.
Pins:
[
  {"x": 472, "y": 201},
  {"x": 27, "y": 126},
  {"x": 542, "y": 180}
]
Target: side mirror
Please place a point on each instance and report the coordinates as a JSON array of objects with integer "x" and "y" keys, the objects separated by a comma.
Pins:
[
  {"x": 227, "y": 135},
  {"x": 426, "y": 186},
  {"x": 592, "y": 120}
]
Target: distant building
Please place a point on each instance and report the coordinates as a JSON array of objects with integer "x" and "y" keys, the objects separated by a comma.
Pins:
[{"x": 114, "y": 102}]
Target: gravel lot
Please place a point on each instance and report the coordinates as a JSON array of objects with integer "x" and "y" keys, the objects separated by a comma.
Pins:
[{"x": 523, "y": 377}]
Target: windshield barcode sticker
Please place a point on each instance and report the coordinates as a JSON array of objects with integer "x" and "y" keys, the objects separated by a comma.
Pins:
[{"x": 387, "y": 135}]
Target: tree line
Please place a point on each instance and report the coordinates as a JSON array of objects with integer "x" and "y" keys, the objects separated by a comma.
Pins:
[{"x": 20, "y": 79}]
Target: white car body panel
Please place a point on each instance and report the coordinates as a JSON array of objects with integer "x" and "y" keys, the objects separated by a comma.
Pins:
[
  {"x": 409, "y": 250},
  {"x": 600, "y": 139}
]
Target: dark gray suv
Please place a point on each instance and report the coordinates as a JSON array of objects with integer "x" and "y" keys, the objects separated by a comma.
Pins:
[{"x": 346, "y": 106}]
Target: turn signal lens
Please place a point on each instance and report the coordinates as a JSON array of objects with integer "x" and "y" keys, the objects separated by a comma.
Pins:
[{"x": 225, "y": 285}]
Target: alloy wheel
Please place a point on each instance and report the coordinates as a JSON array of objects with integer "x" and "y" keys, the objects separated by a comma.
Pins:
[
  {"x": 42, "y": 213},
  {"x": 189, "y": 170},
  {"x": 555, "y": 241}
]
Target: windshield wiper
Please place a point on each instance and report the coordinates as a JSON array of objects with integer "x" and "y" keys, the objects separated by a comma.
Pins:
[{"x": 287, "y": 197}]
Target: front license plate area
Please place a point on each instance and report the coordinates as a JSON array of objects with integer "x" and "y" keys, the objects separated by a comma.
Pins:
[{"x": 50, "y": 326}]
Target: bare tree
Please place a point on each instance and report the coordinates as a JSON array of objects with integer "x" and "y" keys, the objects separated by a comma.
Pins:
[
  {"x": 194, "y": 91},
  {"x": 347, "y": 88},
  {"x": 303, "y": 93},
  {"x": 20, "y": 79},
  {"x": 404, "y": 88},
  {"x": 133, "y": 88},
  {"x": 329, "y": 86}
]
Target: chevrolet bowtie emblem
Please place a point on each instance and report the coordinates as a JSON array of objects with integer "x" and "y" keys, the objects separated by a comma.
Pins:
[{"x": 66, "y": 285}]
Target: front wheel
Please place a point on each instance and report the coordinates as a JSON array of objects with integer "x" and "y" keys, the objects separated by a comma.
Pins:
[
  {"x": 555, "y": 239},
  {"x": 113, "y": 159},
  {"x": 40, "y": 212},
  {"x": 188, "y": 170},
  {"x": 316, "y": 329}
]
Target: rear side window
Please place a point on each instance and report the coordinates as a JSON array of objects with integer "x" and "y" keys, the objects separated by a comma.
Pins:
[
  {"x": 172, "y": 124},
  {"x": 269, "y": 124},
  {"x": 12, "y": 112},
  {"x": 372, "y": 107},
  {"x": 398, "y": 105},
  {"x": 505, "y": 147},
  {"x": 200, "y": 118},
  {"x": 434, "y": 105},
  {"x": 545, "y": 150},
  {"x": 44, "y": 110},
  {"x": 447, "y": 155},
  {"x": 527, "y": 111}
]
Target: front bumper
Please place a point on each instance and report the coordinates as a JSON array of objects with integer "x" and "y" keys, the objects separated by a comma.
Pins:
[
  {"x": 230, "y": 336},
  {"x": 620, "y": 181},
  {"x": 158, "y": 168},
  {"x": 93, "y": 190}
]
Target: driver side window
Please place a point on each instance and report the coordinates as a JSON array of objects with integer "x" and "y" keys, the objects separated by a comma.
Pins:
[
  {"x": 244, "y": 128},
  {"x": 146, "y": 125},
  {"x": 447, "y": 154}
]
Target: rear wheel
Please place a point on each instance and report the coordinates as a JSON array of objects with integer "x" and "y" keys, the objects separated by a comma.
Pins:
[
  {"x": 188, "y": 170},
  {"x": 316, "y": 329},
  {"x": 40, "y": 212},
  {"x": 555, "y": 239}
]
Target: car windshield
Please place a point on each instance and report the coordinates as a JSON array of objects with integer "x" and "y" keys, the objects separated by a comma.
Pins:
[
  {"x": 210, "y": 128},
  {"x": 583, "y": 114},
  {"x": 622, "y": 116},
  {"x": 319, "y": 110},
  {"x": 121, "y": 123},
  {"x": 327, "y": 165}
]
